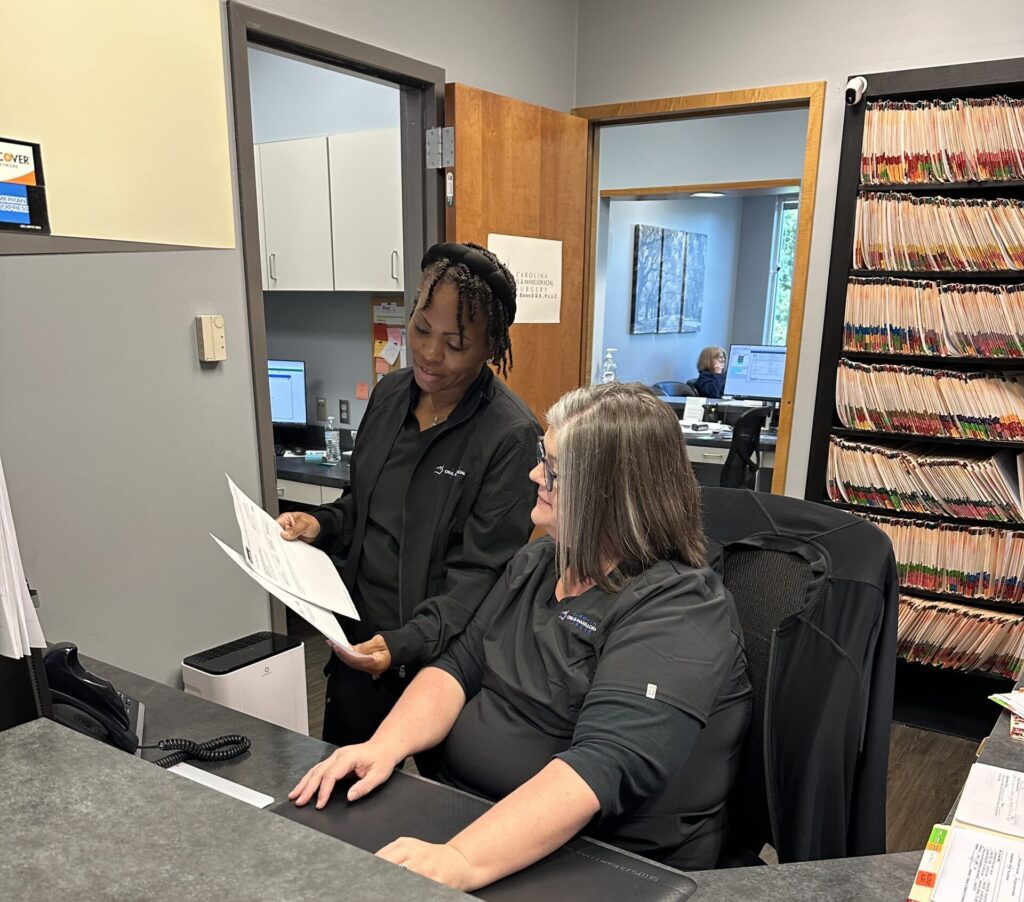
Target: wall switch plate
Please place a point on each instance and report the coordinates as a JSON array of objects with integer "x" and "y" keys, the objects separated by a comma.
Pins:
[
  {"x": 321, "y": 408},
  {"x": 343, "y": 415}
]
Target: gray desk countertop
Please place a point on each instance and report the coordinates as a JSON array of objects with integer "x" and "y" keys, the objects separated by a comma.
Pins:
[
  {"x": 84, "y": 820},
  {"x": 279, "y": 757},
  {"x": 300, "y": 470}
]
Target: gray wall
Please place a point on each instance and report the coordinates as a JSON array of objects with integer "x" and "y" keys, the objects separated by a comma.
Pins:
[
  {"x": 654, "y": 358},
  {"x": 330, "y": 331},
  {"x": 115, "y": 443},
  {"x": 661, "y": 48},
  {"x": 753, "y": 267}
]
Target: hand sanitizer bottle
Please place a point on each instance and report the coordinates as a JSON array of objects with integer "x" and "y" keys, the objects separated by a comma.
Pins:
[
  {"x": 608, "y": 366},
  {"x": 332, "y": 440}
]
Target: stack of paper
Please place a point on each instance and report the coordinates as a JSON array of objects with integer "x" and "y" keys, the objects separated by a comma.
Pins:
[
  {"x": 919, "y": 141},
  {"x": 301, "y": 576},
  {"x": 980, "y": 858},
  {"x": 980, "y": 404},
  {"x": 19, "y": 625},
  {"x": 915, "y": 316},
  {"x": 899, "y": 231},
  {"x": 956, "y": 559},
  {"x": 972, "y": 485}
]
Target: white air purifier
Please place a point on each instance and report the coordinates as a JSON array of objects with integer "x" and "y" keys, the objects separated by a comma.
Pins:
[{"x": 263, "y": 675}]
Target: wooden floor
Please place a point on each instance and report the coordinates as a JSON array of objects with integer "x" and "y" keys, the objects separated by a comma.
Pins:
[{"x": 926, "y": 770}]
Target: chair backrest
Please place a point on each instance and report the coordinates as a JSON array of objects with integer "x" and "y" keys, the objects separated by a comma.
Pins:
[
  {"x": 675, "y": 389},
  {"x": 820, "y": 586},
  {"x": 741, "y": 464}
]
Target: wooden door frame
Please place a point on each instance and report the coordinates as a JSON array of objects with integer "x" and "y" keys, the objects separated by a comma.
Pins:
[{"x": 806, "y": 95}]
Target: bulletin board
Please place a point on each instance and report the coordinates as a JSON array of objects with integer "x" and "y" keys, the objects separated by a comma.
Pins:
[
  {"x": 127, "y": 102},
  {"x": 388, "y": 337}
]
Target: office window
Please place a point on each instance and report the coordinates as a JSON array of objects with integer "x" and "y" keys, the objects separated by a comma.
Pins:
[{"x": 780, "y": 283}]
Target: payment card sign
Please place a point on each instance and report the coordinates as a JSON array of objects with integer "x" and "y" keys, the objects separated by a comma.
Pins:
[{"x": 22, "y": 187}]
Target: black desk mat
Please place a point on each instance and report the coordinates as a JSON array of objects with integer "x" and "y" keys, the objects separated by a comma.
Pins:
[{"x": 409, "y": 806}]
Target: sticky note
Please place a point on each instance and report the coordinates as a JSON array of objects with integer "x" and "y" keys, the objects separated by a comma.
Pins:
[
  {"x": 381, "y": 366},
  {"x": 362, "y": 391},
  {"x": 378, "y": 347}
]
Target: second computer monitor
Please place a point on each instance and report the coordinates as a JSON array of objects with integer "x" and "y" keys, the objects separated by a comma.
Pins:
[
  {"x": 287, "y": 391},
  {"x": 755, "y": 371}
]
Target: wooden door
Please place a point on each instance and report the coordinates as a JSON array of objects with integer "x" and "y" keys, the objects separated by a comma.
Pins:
[{"x": 521, "y": 170}]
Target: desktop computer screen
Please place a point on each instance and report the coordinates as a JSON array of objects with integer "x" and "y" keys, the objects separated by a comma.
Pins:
[
  {"x": 287, "y": 391},
  {"x": 755, "y": 371}
]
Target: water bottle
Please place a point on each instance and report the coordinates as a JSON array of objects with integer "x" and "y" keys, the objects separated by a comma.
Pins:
[
  {"x": 332, "y": 441},
  {"x": 608, "y": 366}
]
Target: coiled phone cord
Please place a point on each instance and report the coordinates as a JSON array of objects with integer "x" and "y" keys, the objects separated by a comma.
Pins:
[{"x": 219, "y": 749}]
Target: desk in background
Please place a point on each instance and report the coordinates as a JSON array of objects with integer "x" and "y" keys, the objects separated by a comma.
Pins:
[
  {"x": 707, "y": 452},
  {"x": 309, "y": 483}
]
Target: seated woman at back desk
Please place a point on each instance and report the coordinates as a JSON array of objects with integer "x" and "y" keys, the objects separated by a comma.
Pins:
[
  {"x": 601, "y": 684},
  {"x": 711, "y": 372}
]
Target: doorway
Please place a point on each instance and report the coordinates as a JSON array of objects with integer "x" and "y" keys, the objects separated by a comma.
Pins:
[{"x": 712, "y": 144}]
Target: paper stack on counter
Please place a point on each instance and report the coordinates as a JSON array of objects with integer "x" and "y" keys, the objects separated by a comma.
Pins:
[
  {"x": 300, "y": 575},
  {"x": 19, "y": 625},
  {"x": 980, "y": 858}
]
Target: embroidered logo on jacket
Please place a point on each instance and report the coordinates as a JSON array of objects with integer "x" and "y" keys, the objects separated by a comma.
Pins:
[
  {"x": 442, "y": 470},
  {"x": 581, "y": 622}
]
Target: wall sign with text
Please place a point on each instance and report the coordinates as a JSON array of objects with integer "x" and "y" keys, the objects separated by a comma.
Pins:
[{"x": 22, "y": 188}]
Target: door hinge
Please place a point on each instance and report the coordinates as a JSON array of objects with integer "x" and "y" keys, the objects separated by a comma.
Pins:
[{"x": 440, "y": 148}]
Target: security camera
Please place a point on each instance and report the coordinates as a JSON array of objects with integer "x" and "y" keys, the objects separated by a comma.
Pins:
[{"x": 855, "y": 89}]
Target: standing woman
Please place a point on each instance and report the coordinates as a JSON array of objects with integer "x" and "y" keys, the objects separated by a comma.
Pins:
[{"x": 439, "y": 497}]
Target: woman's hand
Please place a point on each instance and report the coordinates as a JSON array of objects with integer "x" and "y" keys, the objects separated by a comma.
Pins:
[
  {"x": 295, "y": 525},
  {"x": 377, "y": 660},
  {"x": 371, "y": 761},
  {"x": 441, "y": 862}
]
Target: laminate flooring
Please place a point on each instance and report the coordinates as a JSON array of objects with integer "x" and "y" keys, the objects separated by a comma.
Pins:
[{"x": 926, "y": 769}]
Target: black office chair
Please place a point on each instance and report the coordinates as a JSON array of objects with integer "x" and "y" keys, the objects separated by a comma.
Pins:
[
  {"x": 675, "y": 389},
  {"x": 744, "y": 458},
  {"x": 816, "y": 592}
]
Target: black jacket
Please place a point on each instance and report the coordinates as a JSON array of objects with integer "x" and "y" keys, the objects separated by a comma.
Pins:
[
  {"x": 710, "y": 385},
  {"x": 466, "y": 511},
  {"x": 827, "y": 670}
]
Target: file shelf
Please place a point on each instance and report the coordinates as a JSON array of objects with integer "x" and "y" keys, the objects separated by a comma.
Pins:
[{"x": 952, "y": 701}]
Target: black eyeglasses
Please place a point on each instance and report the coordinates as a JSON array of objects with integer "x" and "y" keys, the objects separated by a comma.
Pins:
[{"x": 542, "y": 458}]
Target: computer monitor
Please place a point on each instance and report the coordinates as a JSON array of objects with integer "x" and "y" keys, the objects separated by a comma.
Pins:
[
  {"x": 756, "y": 372},
  {"x": 287, "y": 391}
]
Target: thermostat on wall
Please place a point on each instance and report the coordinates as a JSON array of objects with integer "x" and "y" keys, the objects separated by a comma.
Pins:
[{"x": 210, "y": 337}]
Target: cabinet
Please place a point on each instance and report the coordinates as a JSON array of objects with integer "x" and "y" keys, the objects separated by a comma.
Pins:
[
  {"x": 296, "y": 204},
  {"x": 306, "y": 493},
  {"x": 937, "y": 686},
  {"x": 366, "y": 210},
  {"x": 331, "y": 212}
]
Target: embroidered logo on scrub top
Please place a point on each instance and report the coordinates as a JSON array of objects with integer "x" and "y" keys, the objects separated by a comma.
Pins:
[
  {"x": 442, "y": 470},
  {"x": 581, "y": 622}
]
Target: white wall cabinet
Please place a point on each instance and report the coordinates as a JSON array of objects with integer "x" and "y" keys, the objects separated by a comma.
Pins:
[
  {"x": 297, "y": 215},
  {"x": 366, "y": 210},
  {"x": 259, "y": 217}
]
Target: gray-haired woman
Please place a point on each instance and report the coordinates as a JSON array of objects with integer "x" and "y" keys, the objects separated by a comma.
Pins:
[{"x": 602, "y": 682}]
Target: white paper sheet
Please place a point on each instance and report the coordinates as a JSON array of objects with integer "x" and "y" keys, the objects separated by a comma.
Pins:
[
  {"x": 318, "y": 617},
  {"x": 295, "y": 567},
  {"x": 693, "y": 412},
  {"x": 980, "y": 867},
  {"x": 19, "y": 624},
  {"x": 993, "y": 799},
  {"x": 212, "y": 781}
]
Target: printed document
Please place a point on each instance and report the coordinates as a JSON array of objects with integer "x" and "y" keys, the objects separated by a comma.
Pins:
[
  {"x": 992, "y": 799},
  {"x": 980, "y": 867},
  {"x": 19, "y": 625}
]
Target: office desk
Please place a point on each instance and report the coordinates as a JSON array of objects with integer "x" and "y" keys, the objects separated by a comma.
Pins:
[
  {"x": 156, "y": 835},
  {"x": 310, "y": 483},
  {"x": 708, "y": 452}
]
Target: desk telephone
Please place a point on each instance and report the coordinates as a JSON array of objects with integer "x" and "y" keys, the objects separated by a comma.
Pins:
[{"x": 89, "y": 703}]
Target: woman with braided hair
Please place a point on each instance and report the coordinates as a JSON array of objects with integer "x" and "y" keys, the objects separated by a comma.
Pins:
[{"x": 439, "y": 497}]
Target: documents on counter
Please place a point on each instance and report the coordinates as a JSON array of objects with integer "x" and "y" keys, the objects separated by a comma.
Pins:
[
  {"x": 19, "y": 624},
  {"x": 301, "y": 576},
  {"x": 980, "y": 858}
]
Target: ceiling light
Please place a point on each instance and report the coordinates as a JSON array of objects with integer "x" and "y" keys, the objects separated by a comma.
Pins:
[{"x": 708, "y": 194}]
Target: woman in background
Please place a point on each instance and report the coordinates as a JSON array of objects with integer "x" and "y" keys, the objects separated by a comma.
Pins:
[
  {"x": 602, "y": 683},
  {"x": 711, "y": 369}
]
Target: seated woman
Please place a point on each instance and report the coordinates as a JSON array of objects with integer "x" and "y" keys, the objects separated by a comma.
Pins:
[
  {"x": 711, "y": 369},
  {"x": 601, "y": 684}
]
